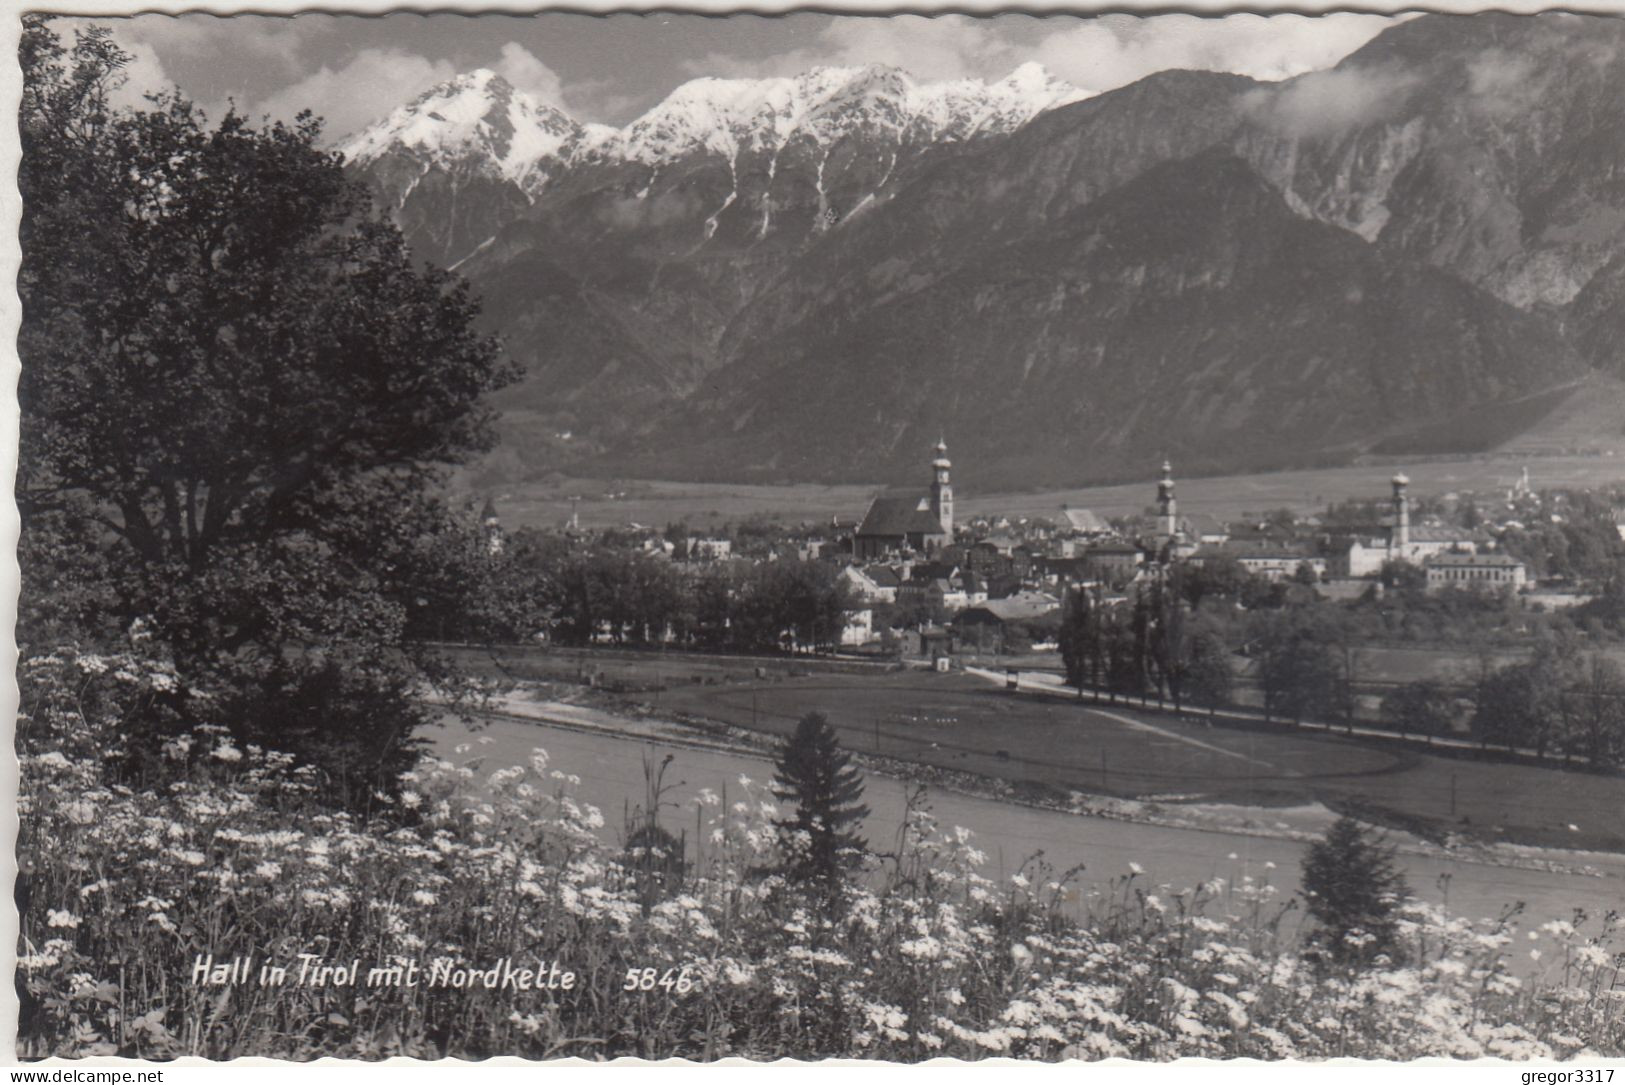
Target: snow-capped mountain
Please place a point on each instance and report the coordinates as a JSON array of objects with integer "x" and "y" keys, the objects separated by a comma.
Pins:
[
  {"x": 474, "y": 153},
  {"x": 480, "y": 114},
  {"x": 809, "y": 278},
  {"x": 728, "y": 116},
  {"x": 476, "y": 117}
]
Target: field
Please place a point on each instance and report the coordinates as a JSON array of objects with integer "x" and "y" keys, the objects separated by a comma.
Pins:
[
  {"x": 1051, "y": 746},
  {"x": 600, "y": 503},
  {"x": 634, "y": 670},
  {"x": 1054, "y": 746}
]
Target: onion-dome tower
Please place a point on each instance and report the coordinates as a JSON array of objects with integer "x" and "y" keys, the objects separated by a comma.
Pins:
[{"x": 942, "y": 491}]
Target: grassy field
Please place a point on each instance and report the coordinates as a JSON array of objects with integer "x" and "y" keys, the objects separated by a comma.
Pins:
[
  {"x": 703, "y": 506},
  {"x": 601, "y": 503},
  {"x": 638, "y": 670},
  {"x": 962, "y": 723}
]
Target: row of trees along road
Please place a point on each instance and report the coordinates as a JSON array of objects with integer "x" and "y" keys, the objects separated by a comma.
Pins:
[
  {"x": 238, "y": 393},
  {"x": 1305, "y": 662},
  {"x": 1151, "y": 644},
  {"x": 541, "y": 582}
]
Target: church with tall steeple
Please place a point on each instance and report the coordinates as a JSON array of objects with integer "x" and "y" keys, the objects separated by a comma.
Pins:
[
  {"x": 942, "y": 490},
  {"x": 923, "y": 523},
  {"x": 1171, "y": 536},
  {"x": 1167, "y": 507}
]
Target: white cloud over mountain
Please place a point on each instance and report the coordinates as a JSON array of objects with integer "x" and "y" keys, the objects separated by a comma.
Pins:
[
  {"x": 353, "y": 89},
  {"x": 1094, "y": 54}
]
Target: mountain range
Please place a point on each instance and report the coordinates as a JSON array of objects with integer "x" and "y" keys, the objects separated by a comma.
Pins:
[{"x": 812, "y": 278}]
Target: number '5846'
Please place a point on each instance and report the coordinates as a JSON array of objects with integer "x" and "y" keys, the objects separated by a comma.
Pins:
[{"x": 647, "y": 979}]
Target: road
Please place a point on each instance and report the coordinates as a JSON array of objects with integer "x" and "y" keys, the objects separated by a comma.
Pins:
[{"x": 1055, "y": 685}]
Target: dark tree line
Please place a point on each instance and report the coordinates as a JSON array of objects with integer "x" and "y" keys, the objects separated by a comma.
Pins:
[
  {"x": 1154, "y": 643},
  {"x": 543, "y": 585}
]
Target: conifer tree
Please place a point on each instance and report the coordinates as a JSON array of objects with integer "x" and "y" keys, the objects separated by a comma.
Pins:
[
  {"x": 813, "y": 772},
  {"x": 1353, "y": 890}
]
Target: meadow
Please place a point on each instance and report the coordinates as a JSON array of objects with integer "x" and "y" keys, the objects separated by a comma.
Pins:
[
  {"x": 222, "y": 852},
  {"x": 1050, "y": 745},
  {"x": 602, "y": 503}
]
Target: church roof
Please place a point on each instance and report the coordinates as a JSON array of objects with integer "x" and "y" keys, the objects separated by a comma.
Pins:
[
  {"x": 1202, "y": 523},
  {"x": 900, "y": 514},
  {"x": 1087, "y": 520},
  {"x": 1015, "y": 608}
]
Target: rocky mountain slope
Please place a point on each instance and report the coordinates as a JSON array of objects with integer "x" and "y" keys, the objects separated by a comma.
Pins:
[{"x": 811, "y": 278}]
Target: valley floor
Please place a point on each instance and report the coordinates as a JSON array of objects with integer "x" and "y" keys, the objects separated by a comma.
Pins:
[
  {"x": 600, "y": 503},
  {"x": 1179, "y": 844}
]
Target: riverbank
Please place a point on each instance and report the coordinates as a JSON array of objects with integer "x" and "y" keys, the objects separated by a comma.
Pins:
[{"x": 1296, "y": 824}]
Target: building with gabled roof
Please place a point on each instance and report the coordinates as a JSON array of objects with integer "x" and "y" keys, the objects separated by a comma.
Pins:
[
  {"x": 1087, "y": 522},
  {"x": 923, "y": 523}
]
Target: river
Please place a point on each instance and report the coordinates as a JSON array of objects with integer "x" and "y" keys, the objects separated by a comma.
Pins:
[{"x": 612, "y": 778}]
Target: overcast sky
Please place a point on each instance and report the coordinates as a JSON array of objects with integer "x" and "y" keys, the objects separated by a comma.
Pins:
[{"x": 354, "y": 69}]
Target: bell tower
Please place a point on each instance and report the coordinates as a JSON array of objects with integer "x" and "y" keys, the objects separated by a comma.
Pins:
[
  {"x": 1167, "y": 507},
  {"x": 1399, "y": 540},
  {"x": 942, "y": 491}
]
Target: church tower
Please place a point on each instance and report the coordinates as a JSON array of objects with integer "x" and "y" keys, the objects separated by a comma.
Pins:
[
  {"x": 942, "y": 491},
  {"x": 492, "y": 525},
  {"x": 1167, "y": 508},
  {"x": 1399, "y": 540}
]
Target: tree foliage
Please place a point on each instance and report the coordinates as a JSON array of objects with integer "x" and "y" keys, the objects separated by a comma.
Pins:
[
  {"x": 1299, "y": 666},
  {"x": 1353, "y": 889},
  {"x": 237, "y": 396},
  {"x": 1423, "y": 707},
  {"x": 821, "y": 837},
  {"x": 1523, "y": 704}
]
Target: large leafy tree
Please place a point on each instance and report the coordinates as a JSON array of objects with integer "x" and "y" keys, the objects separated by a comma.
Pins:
[
  {"x": 238, "y": 393},
  {"x": 1524, "y": 704},
  {"x": 1421, "y": 707}
]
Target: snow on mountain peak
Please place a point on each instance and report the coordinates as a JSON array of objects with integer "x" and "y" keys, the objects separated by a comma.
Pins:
[
  {"x": 480, "y": 118},
  {"x": 726, "y": 116},
  {"x": 478, "y": 115}
]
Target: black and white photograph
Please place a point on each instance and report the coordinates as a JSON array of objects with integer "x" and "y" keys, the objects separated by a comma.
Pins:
[{"x": 1052, "y": 535}]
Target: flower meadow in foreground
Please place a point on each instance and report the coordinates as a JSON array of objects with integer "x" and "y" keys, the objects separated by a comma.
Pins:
[{"x": 136, "y": 892}]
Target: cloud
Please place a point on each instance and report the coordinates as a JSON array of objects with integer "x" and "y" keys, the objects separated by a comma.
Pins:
[
  {"x": 144, "y": 74},
  {"x": 269, "y": 40},
  {"x": 1095, "y": 54},
  {"x": 606, "y": 101},
  {"x": 520, "y": 67},
  {"x": 374, "y": 82},
  {"x": 1324, "y": 103},
  {"x": 929, "y": 47},
  {"x": 1502, "y": 83},
  {"x": 1112, "y": 51}
]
